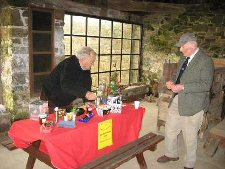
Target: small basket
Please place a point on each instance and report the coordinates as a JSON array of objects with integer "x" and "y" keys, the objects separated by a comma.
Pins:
[{"x": 47, "y": 127}]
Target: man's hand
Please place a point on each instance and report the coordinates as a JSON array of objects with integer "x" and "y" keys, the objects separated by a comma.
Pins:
[
  {"x": 177, "y": 88},
  {"x": 169, "y": 84},
  {"x": 91, "y": 96},
  {"x": 90, "y": 104}
]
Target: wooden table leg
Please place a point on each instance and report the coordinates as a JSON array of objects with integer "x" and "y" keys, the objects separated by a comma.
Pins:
[
  {"x": 33, "y": 156},
  {"x": 141, "y": 161}
]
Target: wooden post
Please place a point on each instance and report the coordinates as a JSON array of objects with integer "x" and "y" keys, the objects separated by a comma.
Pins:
[
  {"x": 141, "y": 161},
  {"x": 32, "y": 156}
]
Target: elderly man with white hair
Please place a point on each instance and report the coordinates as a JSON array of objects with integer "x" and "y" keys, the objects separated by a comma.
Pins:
[
  {"x": 191, "y": 87},
  {"x": 71, "y": 79}
]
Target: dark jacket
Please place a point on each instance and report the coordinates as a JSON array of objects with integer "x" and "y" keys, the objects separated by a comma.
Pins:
[{"x": 67, "y": 82}]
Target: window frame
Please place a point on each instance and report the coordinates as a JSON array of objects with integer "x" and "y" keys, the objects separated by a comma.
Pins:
[
  {"x": 121, "y": 54},
  {"x": 32, "y": 74}
]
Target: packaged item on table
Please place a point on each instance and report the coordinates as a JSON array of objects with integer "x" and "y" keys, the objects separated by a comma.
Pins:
[
  {"x": 69, "y": 117},
  {"x": 67, "y": 124},
  {"x": 42, "y": 118},
  {"x": 103, "y": 110},
  {"x": 86, "y": 117},
  {"x": 38, "y": 107},
  {"x": 115, "y": 102},
  {"x": 47, "y": 127}
]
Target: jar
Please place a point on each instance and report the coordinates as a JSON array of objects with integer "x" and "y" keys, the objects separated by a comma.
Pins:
[{"x": 42, "y": 118}]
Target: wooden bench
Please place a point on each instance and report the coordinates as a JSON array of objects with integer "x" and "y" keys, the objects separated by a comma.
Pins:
[
  {"x": 215, "y": 138},
  {"x": 127, "y": 152},
  {"x": 9, "y": 144},
  {"x": 111, "y": 160}
]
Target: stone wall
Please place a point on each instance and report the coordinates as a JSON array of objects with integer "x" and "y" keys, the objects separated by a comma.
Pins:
[
  {"x": 162, "y": 31},
  {"x": 15, "y": 56}
]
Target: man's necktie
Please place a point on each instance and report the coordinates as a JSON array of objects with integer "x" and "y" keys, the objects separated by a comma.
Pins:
[{"x": 182, "y": 70}]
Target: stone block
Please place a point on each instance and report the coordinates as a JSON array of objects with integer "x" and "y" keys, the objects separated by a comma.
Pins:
[
  {"x": 16, "y": 18},
  {"x": 132, "y": 93},
  {"x": 5, "y": 122}
]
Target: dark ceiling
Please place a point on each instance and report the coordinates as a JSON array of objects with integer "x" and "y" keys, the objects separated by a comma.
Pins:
[
  {"x": 145, "y": 7},
  {"x": 139, "y": 7}
]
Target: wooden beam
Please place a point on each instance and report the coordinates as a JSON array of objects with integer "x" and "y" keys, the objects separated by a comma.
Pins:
[
  {"x": 76, "y": 7},
  {"x": 148, "y": 7}
]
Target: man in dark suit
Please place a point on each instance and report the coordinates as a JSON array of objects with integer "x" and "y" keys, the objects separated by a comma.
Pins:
[
  {"x": 191, "y": 87},
  {"x": 71, "y": 79}
]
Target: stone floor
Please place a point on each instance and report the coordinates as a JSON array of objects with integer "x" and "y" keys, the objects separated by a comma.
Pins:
[{"x": 16, "y": 159}]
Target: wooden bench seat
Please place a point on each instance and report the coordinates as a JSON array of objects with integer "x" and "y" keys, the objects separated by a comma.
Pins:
[
  {"x": 111, "y": 160},
  {"x": 127, "y": 152},
  {"x": 216, "y": 137}
]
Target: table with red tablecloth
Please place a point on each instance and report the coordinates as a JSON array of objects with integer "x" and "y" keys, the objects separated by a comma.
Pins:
[{"x": 69, "y": 148}]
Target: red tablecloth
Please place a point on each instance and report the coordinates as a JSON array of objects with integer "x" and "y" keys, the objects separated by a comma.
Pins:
[{"x": 71, "y": 148}]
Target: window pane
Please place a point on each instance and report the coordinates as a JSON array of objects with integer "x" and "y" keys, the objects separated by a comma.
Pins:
[
  {"x": 134, "y": 76},
  {"x": 135, "y": 46},
  {"x": 67, "y": 45},
  {"x": 125, "y": 62},
  {"x": 106, "y": 28},
  {"x": 42, "y": 42},
  {"x": 38, "y": 81},
  {"x": 107, "y": 43},
  {"x": 67, "y": 26},
  {"x": 42, "y": 21},
  {"x": 117, "y": 29},
  {"x": 116, "y": 61},
  {"x": 93, "y": 27},
  {"x": 127, "y": 30},
  {"x": 41, "y": 63},
  {"x": 79, "y": 25},
  {"x": 104, "y": 63},
  {"x": 134, "y": 61},
  {"x": 116, "y": 46},
  {"x": 104, "y": 77},
  {"x": 105, "y": 46},
  {"x": 125, "y": 77},
  {"x": 93, "y": 43},
  {"x": 94, "y": 81},
  {"x": 77, "y": 44},
  {"x": 126, "y": 46},
  {"x": 94, "y": 68},
  {"x": 136, "y": 32}
]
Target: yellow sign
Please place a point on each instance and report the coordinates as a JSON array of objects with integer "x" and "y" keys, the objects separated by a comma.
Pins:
[{"x": 105, "y": 134}]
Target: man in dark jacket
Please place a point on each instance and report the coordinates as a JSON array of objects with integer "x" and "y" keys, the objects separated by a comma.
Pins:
[{"x": 71, "y": 79}]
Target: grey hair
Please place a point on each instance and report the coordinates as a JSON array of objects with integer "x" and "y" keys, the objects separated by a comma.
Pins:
[{"x": 85, "y": 52}]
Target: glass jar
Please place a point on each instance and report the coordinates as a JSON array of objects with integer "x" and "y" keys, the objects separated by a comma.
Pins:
[{"x": 42, "y": 118}]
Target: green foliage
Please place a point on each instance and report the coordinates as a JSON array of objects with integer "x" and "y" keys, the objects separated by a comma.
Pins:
[
  {"x": 114, "y": 84},
  {"x": 163, "y": 41},
  {"x": 114, "y": 88},
  {"x": 114, "y": 76},
  {"x": 19, "y": 115}
]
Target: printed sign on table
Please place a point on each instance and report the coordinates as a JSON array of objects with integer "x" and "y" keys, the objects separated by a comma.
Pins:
[{"x": 105, "y": 134}]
